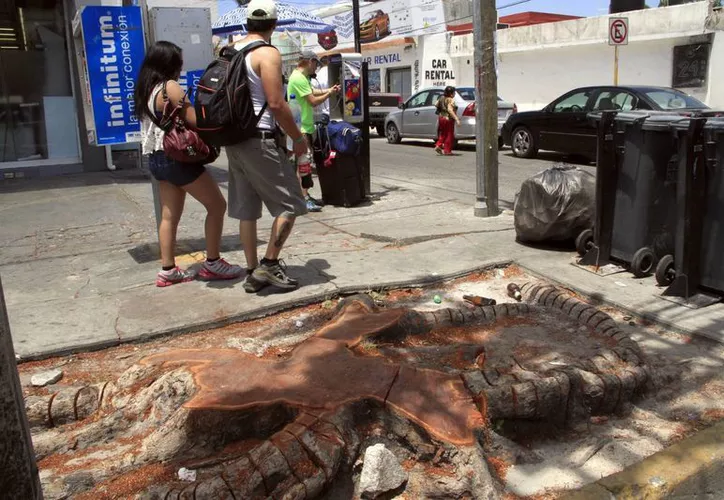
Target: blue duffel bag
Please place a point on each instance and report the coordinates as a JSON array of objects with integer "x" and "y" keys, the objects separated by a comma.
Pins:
[{"x": 344, "y": 138}]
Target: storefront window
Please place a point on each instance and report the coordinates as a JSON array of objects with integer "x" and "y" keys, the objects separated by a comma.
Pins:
[
  {"x": 399, "y": 81},
  {"x": 373, "y": 77},
  {"x": 37, "y": 110}
]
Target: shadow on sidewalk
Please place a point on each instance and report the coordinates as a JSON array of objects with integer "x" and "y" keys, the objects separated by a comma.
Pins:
[{"x": 149, "y": 252}]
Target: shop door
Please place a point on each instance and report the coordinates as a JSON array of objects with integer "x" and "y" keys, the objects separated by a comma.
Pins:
[
  {"x": 38, "y": 121},
  {"x": 399, "y": 81}
]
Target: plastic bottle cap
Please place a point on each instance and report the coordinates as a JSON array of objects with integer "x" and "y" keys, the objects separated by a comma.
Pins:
[{"x": 292, "y": 96}]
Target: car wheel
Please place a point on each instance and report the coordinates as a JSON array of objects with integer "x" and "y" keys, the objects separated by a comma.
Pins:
[
  {"x": 393, "y": 135},
  {"x": 523, "y": 143},
  {"x": 380, "y": 130}
]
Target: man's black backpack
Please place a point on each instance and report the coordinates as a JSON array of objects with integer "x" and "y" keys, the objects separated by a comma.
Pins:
[{"x": 224, "y": 109}]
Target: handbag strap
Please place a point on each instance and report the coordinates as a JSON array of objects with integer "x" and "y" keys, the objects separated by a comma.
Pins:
[{"x": 168, "y": 118}]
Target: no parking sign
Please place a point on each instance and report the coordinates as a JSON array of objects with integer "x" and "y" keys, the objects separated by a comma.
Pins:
[{"x": 618, "y": 31}]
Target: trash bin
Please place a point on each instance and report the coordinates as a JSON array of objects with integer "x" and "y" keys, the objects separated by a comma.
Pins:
[
  {"x": 712, "y": 247},
  {"x": 645, "y": 214}
]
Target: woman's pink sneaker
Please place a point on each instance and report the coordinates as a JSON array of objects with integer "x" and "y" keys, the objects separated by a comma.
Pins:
[{"x": 173, "y": 277}]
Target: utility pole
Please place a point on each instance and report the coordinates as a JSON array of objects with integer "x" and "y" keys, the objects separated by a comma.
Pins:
[
  {"x": 365, "y": 125},
  {"x": 485, "y": 20},
  {"x": 19, "y": 477}
]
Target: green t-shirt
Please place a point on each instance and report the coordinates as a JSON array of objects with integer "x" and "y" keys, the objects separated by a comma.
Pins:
[{"x": 299, "y": 86}]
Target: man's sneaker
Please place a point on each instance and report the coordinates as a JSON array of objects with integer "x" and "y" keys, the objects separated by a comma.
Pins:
[
  {"x": 251, "y": 284},
  {"x": 317, "y": 202},
  {"x": 275, "y": 274},
  {"x": 219, "y": 270},
  {"x": 173, "y": 277},
  {"x": 312, "y": 207}
]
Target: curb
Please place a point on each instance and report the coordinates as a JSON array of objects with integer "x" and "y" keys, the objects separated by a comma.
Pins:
[
  {"x": 654, "y": 318},
  {"x": 268, "y": 311},
  {"x": 692, "y": 468}
]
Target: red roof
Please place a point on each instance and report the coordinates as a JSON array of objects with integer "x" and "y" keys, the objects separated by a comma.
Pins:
[{"x": 517, "y": 20}]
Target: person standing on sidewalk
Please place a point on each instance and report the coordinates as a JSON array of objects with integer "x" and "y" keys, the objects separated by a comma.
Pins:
[
  {"x": 259, "y": 168},
  {"x": 447, "y": 112},
  {"x": 300, "y": 87},
  {"x": 157, "y": 80},
  {"x": 320, "y": 83}
]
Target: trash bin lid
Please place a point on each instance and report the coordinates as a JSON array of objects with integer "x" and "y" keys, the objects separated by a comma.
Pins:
[{"x": 652, "y": 120}]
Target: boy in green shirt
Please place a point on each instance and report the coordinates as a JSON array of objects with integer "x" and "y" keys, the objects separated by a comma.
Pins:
[{"x": 299, "y": 85}]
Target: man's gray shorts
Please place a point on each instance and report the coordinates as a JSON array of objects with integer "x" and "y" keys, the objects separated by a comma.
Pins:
[{"x": 260, "y": 172}]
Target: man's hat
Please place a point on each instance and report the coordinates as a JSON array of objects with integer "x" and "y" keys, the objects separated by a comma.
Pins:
[
  {"x": 308, "y": 55},
  {"x": 261, "y": 10}
]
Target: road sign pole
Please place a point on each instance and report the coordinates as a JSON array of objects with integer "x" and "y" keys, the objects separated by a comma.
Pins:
[
  {"x": 615, "y": 65},
  {"x": 617, "y": 35}
]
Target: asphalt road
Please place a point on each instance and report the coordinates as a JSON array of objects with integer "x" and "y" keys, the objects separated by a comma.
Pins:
[{"x": 415, "y": 166}]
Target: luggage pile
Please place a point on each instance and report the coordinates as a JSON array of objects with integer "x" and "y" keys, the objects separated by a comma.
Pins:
[{"x": 337, "y": 149}]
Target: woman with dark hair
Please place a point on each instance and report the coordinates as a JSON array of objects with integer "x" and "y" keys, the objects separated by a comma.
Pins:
[
  {"x": 157, "y": 81},
  {"x": 447, "y": 112}
]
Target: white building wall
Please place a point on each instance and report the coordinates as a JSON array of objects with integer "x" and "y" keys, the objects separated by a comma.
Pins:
[
  {"x": 715, "y": 96},
  {"x": 538, "y": 63}
]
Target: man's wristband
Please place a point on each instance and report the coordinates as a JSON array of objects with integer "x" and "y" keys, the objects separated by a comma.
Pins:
[{"x": 299, "y": 139}]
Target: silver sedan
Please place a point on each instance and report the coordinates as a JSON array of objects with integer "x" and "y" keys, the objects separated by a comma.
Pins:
[{"x": 416, "y": 118}]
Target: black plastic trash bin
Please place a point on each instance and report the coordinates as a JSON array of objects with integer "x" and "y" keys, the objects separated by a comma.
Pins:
[
  {"x": 712, "y": 248},
  {"x": 645, "y": 215}
]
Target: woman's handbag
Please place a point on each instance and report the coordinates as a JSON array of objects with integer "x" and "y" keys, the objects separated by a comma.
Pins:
[{"x": 181, "y": 143}]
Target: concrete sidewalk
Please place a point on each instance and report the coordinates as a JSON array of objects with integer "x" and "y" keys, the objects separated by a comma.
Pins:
[{"x": 79, "y": 257}]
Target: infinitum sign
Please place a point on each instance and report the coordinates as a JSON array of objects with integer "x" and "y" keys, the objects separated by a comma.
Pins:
[{"x": 114, "y": 49}]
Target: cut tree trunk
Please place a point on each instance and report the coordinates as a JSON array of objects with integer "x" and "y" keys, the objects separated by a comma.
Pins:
[{"x": 19, "y": 478}]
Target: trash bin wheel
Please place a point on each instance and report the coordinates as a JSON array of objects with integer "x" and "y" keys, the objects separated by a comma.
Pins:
[
  {"x": 665, "y": 270},
  {"x": 643, "y": 262},
  {"x": 584, "y": 242}
]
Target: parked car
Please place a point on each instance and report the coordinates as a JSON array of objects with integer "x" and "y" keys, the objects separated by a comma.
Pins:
[
  {"x": 416, "y": 118},
  {"x": 563, "y": 125},
  {"x": 381, "y": 105},
  {"x": 327, "y": 40},
  {"x": 375, "y": 27}
]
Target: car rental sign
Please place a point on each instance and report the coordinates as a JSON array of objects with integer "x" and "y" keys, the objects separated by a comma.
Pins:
[{"x": 114, "y": 49}]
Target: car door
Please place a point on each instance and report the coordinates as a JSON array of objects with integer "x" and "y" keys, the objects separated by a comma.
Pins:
[
  {"x": 412, "y": 121},
  {"x": 428, "y": 118},
  {"x": 565, "y": 127}
]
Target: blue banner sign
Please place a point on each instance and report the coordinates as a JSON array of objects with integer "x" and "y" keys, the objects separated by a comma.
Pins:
[
  {"x": 114, "y": 50},
  {"x": 191, "y": 78}
]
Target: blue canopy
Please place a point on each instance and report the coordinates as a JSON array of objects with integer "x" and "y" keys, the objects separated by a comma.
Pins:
[{"x": 290, "y": 18}]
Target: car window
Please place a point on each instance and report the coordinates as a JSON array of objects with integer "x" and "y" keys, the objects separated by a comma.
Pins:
[
  {"x": 573, "y": 103},
  {"x": 616, "y": 100},
  {"x": 418, "y": 101},
  {"x": 467, "y": 94},
  {"x": 669, "y": 100},
  {"x": 434, "y": 96}
]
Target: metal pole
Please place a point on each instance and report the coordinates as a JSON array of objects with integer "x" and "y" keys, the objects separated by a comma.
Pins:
[
  {"x": 19, "y": 478},
  {"x": 615, "y": 65},
  {"x": 154, "y": 183},
  {"x": 486, "y": 108},
  {"x": 365, "y": 125}
]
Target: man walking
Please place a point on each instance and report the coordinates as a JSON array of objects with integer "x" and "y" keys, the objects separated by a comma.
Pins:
[
  {"x": 259, "y": 169},
  {"x": 300, "y": 87}
]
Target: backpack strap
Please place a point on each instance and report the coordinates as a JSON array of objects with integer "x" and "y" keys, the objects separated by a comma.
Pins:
[{"x": 241, "y": 56}]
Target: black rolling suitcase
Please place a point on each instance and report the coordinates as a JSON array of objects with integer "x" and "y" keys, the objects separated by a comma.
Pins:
[{"x": 340, "y": 176}]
